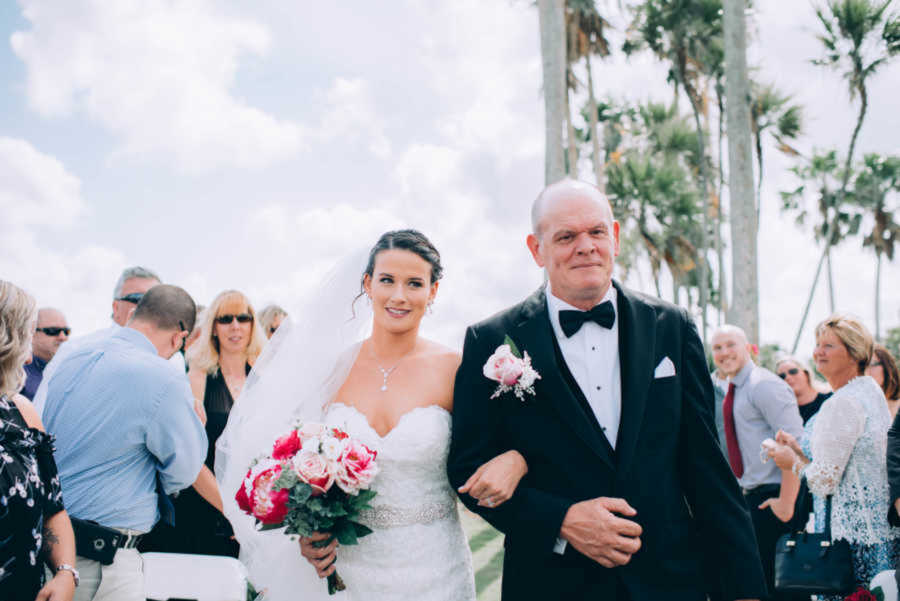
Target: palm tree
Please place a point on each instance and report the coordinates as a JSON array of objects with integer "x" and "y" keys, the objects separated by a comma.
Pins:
[
  {"x": 686, "y": 34},
  {"x": 876, "y": 189},
  {"x": 551, "y": 16},
  {"x": 837, "y": 217},
  {"x": 859, "y": 37},
  {"x": 586, "y": 31},
  {"x": 771, "y": 112}
]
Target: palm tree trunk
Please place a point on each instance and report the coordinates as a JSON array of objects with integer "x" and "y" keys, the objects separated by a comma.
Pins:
[
  {"x": 744, "y": 310},
  {"x": 878, "y": 295},
  {"x": 830, "y": 275},
  {"x": 551, "y": 16},
  {"x": 809, "y": 300},
  {"x": 720, "y": 253},
  {"x": 571, "y": 150},
  {"x": 595, "y": 131},
  {"x": 704, "y": 217}
]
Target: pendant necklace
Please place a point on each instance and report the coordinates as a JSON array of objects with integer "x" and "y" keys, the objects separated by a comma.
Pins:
[{"x": 385, "y": 373}]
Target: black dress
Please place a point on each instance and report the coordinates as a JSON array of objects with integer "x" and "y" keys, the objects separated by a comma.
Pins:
[
  {"x": 200, "y": 528},
  {"x": 29, "y": 495}
]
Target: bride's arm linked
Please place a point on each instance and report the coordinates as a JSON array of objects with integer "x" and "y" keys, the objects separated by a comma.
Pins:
[
  {"x": 494, "y": 482},
  {"x": 531, "y": 516}
]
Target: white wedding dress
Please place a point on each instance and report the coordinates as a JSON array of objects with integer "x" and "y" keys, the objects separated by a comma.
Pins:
[{"x": 417, "y": 549}]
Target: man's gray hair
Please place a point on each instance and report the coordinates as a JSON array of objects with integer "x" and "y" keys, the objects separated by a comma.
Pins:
[
  {"x": 133, "y": 272},
  {"x": 168, "y": 308}
]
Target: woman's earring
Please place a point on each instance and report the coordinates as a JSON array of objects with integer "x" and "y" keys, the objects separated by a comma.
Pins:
[{"x": 430, "y": 309}]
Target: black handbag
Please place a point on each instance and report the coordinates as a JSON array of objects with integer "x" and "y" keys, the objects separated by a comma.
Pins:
[
  {"x": 93, "y": 541},
  {"x": 811, "y": 564}
]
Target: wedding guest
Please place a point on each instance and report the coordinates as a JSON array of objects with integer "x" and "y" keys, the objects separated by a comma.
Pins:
[
  {"x": 133, "y": 283},
  {"x": 51, "y": 331},
  {"x": 230, "y": 342},
  {"x": 842, "y": 451},
  {"x": 799, "y": 377},
  {"x": 883, "y": 369},
  {"x": 756, "y": 406},
  {"x": 33, "y": 520},
  {"x": 270, "y": 318},
  {"x": 126, "y": 434}
]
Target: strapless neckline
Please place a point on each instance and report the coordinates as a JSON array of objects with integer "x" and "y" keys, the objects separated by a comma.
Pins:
[{"x": 400, "y": 421}]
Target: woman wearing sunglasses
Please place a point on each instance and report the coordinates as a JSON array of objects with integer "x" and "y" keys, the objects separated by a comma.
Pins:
[
  {"x": 229, "y": 343},
  {"x": 883, "y": 369},
  {"x": 800, "y": 379}
]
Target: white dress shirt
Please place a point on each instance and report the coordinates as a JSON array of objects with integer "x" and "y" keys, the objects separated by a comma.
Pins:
[{"x": 592, "y": 354}]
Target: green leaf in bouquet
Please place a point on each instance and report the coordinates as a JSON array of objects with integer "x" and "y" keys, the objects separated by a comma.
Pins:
[
  {"x": 287, "y": 479},
  {"x": 345, "y": 532},
  {"x": 265, "y": 527},
  {"x": 361, "y": 529},
  {"x": 512, "y": 346},
  {"x": 878, "y": 593},
  {"x": 300, "y": 493}
]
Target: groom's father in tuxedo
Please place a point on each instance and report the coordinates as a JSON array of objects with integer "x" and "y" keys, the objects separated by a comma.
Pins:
[{"x": 626, "y": 486}]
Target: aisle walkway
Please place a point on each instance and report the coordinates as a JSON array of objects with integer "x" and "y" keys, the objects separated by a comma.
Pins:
[{"x": 487, "y": 554}]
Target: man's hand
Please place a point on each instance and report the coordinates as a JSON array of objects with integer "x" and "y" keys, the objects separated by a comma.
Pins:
[
  {"x": 782, "y": 509},
  {"x": 593, "y": 529},
  {"x": 321, "y": 558}
]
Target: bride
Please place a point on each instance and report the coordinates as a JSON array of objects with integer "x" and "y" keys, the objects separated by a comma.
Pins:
[{"x": 393, "y": 390}]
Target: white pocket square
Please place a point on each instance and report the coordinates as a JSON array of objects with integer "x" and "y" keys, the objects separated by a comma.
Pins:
[{"x": 665, "y": 369}]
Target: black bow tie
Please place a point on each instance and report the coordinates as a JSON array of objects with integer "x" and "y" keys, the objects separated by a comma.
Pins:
[{"x": 603, "y": 315}]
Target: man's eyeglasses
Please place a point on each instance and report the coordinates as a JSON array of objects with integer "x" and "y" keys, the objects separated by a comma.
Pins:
[
  {"x": 183, "y": 340},
  {"x": 54, "y": 331},
  {"x": 134, "y": 297},
  {"x": 793, "y": 371},
  {"x": 228, "y": 318}
]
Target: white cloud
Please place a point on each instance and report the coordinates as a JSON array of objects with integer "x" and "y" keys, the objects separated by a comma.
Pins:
[
  {"x": 157, "y": 73},
  {"x": 41, "y": 203},
  {"x": 350, "y": 116}
]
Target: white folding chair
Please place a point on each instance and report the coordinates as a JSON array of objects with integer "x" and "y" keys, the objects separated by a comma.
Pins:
[
  {"x": 195, "y": 577},
  {"x": 888, "y": 584}
]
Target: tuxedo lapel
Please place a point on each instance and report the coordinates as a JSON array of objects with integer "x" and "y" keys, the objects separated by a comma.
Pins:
[
  {"x": 534, "y": 334},
  {"x": 637, "y": 341}
]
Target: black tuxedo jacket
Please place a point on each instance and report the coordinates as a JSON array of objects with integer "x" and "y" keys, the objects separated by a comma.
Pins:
[{"x": 667, "y": 463}]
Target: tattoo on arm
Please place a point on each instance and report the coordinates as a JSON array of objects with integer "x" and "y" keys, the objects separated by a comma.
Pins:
[{"x": 50, "y": 539}]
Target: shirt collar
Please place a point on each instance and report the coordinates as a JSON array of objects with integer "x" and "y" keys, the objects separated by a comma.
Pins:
[
  {"x": 136, "y": 338},
  {"x": 742, "y": 375},
  {"x": 556, "y": 304},
  {"x": 38, "y": 363}
]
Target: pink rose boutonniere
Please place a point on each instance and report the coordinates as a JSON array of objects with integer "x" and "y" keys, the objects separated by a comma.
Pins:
[{"x": 512, "y": 370}]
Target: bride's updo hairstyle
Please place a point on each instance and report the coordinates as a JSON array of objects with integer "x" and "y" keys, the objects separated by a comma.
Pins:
[{"x": 412, "y": 240}]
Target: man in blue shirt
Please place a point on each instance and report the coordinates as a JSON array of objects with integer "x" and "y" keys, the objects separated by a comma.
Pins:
[
  {"x": 51, "y": 331},
  {"x": 125, "y": 425}
]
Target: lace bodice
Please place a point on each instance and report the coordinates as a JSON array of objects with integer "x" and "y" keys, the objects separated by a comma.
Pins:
[
  {"x": 418, "y": 549},
  {"x": 848, "y": 445}
]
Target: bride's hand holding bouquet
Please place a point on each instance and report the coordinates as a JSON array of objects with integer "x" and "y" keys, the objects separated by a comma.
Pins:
[{"x": 314, "y": 483}]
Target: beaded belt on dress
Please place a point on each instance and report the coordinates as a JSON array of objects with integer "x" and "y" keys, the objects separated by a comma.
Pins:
[{"x": 385, "y": 516}]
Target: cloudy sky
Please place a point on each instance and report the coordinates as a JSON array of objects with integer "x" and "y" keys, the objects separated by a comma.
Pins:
[{"x": 248, "y": 145}]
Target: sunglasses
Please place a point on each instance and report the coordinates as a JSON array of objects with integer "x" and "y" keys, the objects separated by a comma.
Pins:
[
  {"x": 183, "y": 340},
  {"x": 54, "y": 331},
  {"x": 272, "y": 329},
  {"x": 134, "y": 297},
  {"x": 793, "y": 371},
  {"x": 228, "y": 318}
]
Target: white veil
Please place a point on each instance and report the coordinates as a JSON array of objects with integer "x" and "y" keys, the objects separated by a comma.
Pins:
[{"x": 299, "y": 371}]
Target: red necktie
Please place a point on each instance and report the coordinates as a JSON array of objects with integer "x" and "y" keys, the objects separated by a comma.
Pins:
[{"x": 734, "y": 451}]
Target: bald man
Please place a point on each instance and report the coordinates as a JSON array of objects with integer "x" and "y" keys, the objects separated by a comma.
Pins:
[
  {"x": 51, "y": 331},
  {"x": 626, "y": 487},
  {"x": 758, "y": 404}
]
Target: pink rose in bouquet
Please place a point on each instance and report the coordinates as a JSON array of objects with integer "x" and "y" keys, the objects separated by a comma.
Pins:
[
  {"x": 356, "y": 467},
  {"x": 293, "y": 487},
  {"x": 315, "y": 470}
]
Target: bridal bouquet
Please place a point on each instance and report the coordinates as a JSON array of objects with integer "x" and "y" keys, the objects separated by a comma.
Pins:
[{"x": 316, "y": 479}]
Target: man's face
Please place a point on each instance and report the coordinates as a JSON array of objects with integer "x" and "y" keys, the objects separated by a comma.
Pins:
[
  {"x": 45, "y": 345},
  {"x": 578, "y": 244},
  {"x": 122, "y": 309},
  {"x": 730, "y": 352}
]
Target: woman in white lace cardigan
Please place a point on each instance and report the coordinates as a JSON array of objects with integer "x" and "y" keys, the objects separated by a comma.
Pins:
[{"x": 842, "y": 453}]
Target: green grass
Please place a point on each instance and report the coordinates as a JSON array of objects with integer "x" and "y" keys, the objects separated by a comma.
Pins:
[{"x": 486, "y": 544}]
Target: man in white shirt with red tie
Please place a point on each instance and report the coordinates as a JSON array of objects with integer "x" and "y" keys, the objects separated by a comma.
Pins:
[{"x": 756, "y": 405}]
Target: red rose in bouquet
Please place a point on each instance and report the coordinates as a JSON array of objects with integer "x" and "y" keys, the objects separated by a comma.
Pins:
[{"x": 293, "y": 487}]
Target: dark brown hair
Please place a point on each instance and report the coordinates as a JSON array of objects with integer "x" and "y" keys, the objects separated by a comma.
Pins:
[{"x": 891, "y": 384}]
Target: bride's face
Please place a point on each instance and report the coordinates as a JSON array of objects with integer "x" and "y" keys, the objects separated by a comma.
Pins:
[{"x": 400, "y": 288}]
